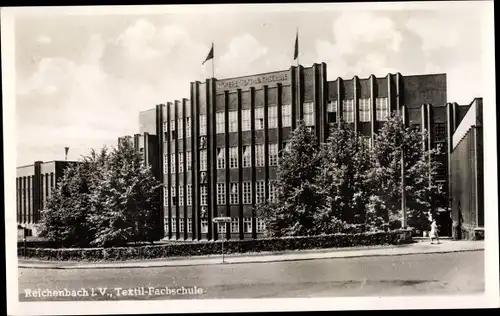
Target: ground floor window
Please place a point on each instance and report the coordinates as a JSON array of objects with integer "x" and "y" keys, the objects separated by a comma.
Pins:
[
  {"x": 190, "y": 225},
  {"x": 235, "y": 225},
  {"x": 174, "y": 226},
  {"x": 247, "y": 225},
  {"x": 261, "y": 226},
  {"x": 181, "y": 225},
  {"x": 221, "y": 227},
  {"x": 204, "y": 226}
]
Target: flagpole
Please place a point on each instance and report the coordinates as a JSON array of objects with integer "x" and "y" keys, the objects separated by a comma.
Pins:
[
  {"x": 298, "y": 50},
  {"x": 213, "y": 62}
]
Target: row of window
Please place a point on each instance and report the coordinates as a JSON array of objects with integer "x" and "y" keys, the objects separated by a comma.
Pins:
[
  {"x": 221, "y": 158},
  {"x": 381, "y": 114},
  {"x": 234, "y": 198},
  {"x": 381, "y": 109},
  {"x": 221, "y": 228}
]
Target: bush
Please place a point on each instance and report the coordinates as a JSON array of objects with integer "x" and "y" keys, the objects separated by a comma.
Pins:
[{"x": 204, "y": 248}]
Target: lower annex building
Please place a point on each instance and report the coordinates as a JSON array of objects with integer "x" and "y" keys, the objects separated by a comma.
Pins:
[{"x": 217, "y": 151}]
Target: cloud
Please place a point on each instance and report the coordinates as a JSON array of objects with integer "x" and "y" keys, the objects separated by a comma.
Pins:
[
  {"x": 434, "y": 31},
  {"x": 353, "y": 29},
  {"x": 241, "y": 57}
]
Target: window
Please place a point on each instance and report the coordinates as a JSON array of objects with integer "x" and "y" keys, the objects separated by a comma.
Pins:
[
  {"x": 233, "y": 121},
  {"x": 261, "y": 226},
  {"x": 367, "y": 141},
  {"x": 233, "y": 195},
  {"x": 203, "y": 125},
  {"x": 273, "y": 188},
  {"x": 272, "y": 117},
  {"x": 190, "y": 225},
  {"x": 203, "y": 160},
  {"x": 203, "y": 195},
  {"x": 165, "y": 196},
  {"x": 172, "y": 163},
  {"x": 364, "y": 110},
  {"x": 235, "y": 225},
  {"x": 247, "y": 156},
  {"x": 181, "y": 225},
  {"x": 259, "y": 155},
  {"x": 172, "y": 130},
  {"x": 221, "y": 158},
  {"x": 260, "y": 192},
  {"x": 189, "y": 194},
  {"x": 259, "y": 118},
  {"x": 204, "y": 226},
  {"x": 247, "y": 225},
  {"x": 165, "y": 163},
  {"x": 165, "y": 130},
  {"x": 381, "y": 109},
  {"x": 309, "y": 114},
  {"x": 221, "y": 193},
  {"x": 247, "y": 192},
  {"x": 181, "y": 195},
  {"x": 181, "y": 162},
  {"x": 273, "y": 154},
  {"x": 233, "y": 157},
  {"x": 245, "y": 120},
  {"x": 174, "y": 197},
  {"x": 180, "y": 127},
  {"x": 220, "y": 127},
  {"x": 174, "y": 224},
  {"x": 167, "y": 225},
  {"x": 221, "y": 227},
  {"x": 439, "y": 132},
  {"x": 348, "y": 110},
  {"x": 188, "y": 126},
  {"x": 188, "y": 160},
  {"x": 286, "y": 115},
  {"x": 331, "y": 111}
]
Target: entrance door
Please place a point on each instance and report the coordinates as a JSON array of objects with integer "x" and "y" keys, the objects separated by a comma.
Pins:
[{"x": 444, "y": 222}]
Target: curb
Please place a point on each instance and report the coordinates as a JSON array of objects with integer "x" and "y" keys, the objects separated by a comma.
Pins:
[{"x": 163, "y": 265}]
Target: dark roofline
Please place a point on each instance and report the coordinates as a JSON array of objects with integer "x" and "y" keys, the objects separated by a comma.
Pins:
[{"x": 50, "y": 161}]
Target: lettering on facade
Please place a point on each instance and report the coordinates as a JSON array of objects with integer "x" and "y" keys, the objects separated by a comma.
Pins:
[{"x": 241, "y": 83}]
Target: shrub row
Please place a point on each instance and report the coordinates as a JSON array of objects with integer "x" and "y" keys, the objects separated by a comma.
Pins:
[{"x": 201, "y": 248}]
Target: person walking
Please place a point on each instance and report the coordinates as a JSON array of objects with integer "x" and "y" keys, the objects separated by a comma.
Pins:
[{"x": 434, "y": 234}]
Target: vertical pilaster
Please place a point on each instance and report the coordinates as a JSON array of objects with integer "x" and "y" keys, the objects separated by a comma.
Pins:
[
  {"x": 399, "y": 92},
  {"x": 177, "y": 169},
  {"x": 168, "y": 171},
  {"x": 25, "y": 200},
  {"x": 186, "y": 172},
  {"x": 300, "y": 92},
  {"x": 37, "y": 193},
  {"x": 322, "y": 97},
  {"x": 390, "y": 93},
  {"x": 449, "y": 146},
  {"x": 240, "y": 163},
  {"x": 252, "y": 129},
  {"x": 372, "y": 108},
  {"x": 226, "y": 156},
  {"x": 355, "y": 88},
  {"x": 340, "y": 98},
  {"x": 210, "y": 89},
  {"x": 160, "y": 167},
  {"x": 294, "y": 89},
  {"x": 194, "y": 170},
  {"x": 266, "y": 145}
]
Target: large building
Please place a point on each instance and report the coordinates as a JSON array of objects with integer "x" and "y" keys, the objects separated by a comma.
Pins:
[
  {"x": 217, "y": 151},
  {"x": 466, "y": 174},
  {"x": 34, "y": 184}
]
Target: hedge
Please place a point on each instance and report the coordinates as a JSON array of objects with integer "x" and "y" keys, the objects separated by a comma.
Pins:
[{"x": 204, "y": 248}]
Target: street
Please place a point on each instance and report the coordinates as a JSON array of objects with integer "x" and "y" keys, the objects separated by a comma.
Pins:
[{"x": 419, "y": 274}]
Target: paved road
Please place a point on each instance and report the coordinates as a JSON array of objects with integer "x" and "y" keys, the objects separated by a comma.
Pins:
[{"x": 424, "y": 274}]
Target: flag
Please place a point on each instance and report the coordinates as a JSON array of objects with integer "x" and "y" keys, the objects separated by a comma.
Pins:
[
  {"x": 66, "y": 149},
  {"x": 210, "y": 54},
  {"x": 296, "y": 52}
]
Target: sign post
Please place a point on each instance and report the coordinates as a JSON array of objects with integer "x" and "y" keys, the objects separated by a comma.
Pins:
[{"x": 224, "y": 221}]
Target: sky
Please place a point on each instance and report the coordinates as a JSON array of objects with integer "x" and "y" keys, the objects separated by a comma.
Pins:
[{"x": 82, "y": 79}]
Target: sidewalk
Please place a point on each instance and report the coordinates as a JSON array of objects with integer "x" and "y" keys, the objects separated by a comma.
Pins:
[{"x": 420, "y": 247}]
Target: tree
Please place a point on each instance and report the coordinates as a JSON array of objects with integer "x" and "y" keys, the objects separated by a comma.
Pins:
[
  {"x": 342, "y": 180},
  {"x": 393, "y": 140},
  {"x": 293, "y": 212},
  {"x": 108, "y": 199},
  {"x": 65, "y": 216}
]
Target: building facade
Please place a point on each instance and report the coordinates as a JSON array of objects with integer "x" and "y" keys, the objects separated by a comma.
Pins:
[
  {"x": 217, "y": 151},
  {"x": 466, "y": 175},
  {"x": 34, "y": 184}
]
